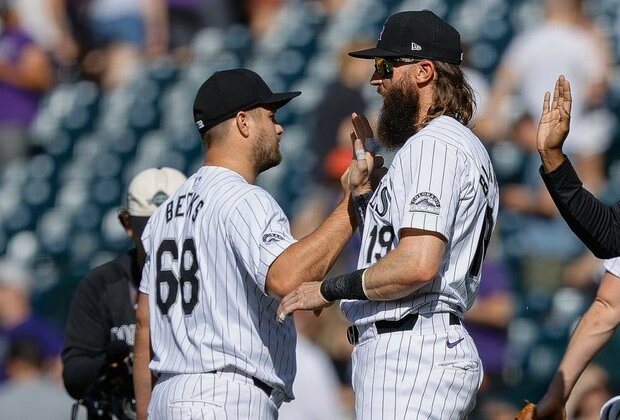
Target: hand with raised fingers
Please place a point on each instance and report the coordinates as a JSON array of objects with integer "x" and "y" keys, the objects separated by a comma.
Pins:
[
  {"x": 361, "y": 174},
  {"x": 554, "y": 124}
]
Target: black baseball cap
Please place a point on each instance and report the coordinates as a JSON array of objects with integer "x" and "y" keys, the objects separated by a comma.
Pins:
[
  {"x": 417, "y": 34},
  {"x": 227, "y": 92}
]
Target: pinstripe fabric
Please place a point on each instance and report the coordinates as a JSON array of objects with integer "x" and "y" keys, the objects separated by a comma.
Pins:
[
  {"x": 415, "y": 374},
  {"x": 442, "y": 181},
  {"x": 237, "y": 230},
  {"x": 613, "y": 266},
  {"x": 444, "y": 161},
  {"x": 216, "y": 396}
]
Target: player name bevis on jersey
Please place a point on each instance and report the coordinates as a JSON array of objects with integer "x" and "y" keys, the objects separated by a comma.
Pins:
[{"x": 184, "y": 205}]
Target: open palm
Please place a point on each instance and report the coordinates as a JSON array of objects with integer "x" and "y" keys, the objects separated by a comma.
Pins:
[{"x": 555, "y": 119}]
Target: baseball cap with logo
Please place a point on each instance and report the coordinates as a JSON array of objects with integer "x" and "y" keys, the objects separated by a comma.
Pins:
[
  {"x": 147, "y": 191},
  {"x": 227, "y": 92},
  {"x": 416, "y": 34}
]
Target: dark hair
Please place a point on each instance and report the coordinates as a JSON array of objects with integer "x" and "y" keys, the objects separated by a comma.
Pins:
[{"x": 453, "y": 96}]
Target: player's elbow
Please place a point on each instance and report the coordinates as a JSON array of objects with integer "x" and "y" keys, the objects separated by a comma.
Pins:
[
  {"x": 424, "y": 272},
  {"x": 280, "y": 286}
]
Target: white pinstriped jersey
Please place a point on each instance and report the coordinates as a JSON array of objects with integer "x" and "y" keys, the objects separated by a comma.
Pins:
[
  {"x": 209, "y": 248},
  {"x": 442, "y": 181},
  {"x": 613, "y": 266}
]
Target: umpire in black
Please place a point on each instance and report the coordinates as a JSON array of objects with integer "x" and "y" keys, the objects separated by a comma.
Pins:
[{"x": 100, "y": 329}]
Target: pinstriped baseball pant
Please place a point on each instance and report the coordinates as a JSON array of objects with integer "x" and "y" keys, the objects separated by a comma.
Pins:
[
  {"x": 430, "y": 372},
  {"x": 209, "y": 396}
]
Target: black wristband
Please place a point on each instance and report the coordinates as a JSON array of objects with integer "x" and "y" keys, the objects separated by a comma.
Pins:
[{"x": 345, "y": 286}]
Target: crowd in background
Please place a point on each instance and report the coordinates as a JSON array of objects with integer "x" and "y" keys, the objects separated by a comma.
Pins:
[{"x": 537, "y": 278}]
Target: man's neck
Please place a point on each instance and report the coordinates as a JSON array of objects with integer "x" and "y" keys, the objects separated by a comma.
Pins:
[{"x": 235, "y": 163}]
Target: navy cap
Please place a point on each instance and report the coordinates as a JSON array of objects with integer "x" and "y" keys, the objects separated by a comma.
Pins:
[
  {"x": 227, "y": 92},
  {"x": 416, "y": 34}
]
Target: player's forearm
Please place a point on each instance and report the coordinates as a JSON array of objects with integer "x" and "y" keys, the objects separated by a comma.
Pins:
[
  {"x": 594, "y": 330},
  {"x": 311, "y": 258},
  {"x": 142, "y": 378},
  {"x": 396, "y": 276},
  {"x": 551, "y": 159}
]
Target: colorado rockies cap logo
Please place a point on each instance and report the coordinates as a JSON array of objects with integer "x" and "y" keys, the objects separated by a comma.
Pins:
[
  {"x": 158, "y": 198},
  {"x": 425, "y": 202},
  {"x": 272, "y": 237}
]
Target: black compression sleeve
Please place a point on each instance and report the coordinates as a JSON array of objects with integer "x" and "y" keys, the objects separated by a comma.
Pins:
[
  {"x": 346, "y": 286},
  {"x": 595, "y": 223},
  {"x": 360, "y": 202}
]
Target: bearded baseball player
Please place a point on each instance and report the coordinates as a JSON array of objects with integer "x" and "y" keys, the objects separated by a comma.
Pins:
[
  {"x": 220, "y": 256},
  {"x": 426, "y": 229}
]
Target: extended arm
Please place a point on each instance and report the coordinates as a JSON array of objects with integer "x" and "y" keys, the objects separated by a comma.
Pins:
[
  {"x": 414, "y": 263},
  {"x": 142, "y": 378},
  {"x": 592, "y": 333},
  {"x": 595, "y": 223},
  {"x": 311, "y": 258}
]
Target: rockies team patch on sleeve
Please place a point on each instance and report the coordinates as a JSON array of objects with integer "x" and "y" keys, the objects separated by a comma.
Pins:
[
  {"x": 269, "y": 238},
  {"x": 425, "y": 202}
]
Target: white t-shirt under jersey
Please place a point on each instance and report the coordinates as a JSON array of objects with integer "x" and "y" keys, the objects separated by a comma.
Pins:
[
  {"x": 209, "y": 248},
  {"x": 441, "y": 181}
]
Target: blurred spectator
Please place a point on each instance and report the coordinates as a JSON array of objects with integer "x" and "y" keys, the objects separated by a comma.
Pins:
[
  {"x": 187, "y": 17},
  {"x": 28, "y": 393},
  {"x": 342, "y": 97},
  {"x": 488, "y": 320},
  {"x": 589, "y": 394},
  {"x": 568, "y": 43},
  {"x": 18, "y": 320},
  {"x": 496, "y": 409},
  {"x": 47, "y": 23},
  {"x": 25, "y": 74},
  {"x": 262, "y": 15},
  {"x": 120, "y": 34},
  {"x": 316, "y": 385},
  {"x": 529, "y": 205}
]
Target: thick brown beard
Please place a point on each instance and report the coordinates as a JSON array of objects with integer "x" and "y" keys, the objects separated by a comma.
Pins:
[
  {"x": 264, "y": 156},
  {"x": 398, "y": 115}
]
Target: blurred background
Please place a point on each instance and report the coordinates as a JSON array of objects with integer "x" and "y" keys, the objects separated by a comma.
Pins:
[{"x": 92, "y": 92}]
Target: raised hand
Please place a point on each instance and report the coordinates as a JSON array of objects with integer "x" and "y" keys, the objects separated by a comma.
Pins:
[
  {"x": 361, "y": 175},
  {"x": 554, "y": 124}
]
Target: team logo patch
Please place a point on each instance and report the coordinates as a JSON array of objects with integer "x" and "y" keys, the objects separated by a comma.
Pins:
[
  {"x": 425, "y": 202},
  {"x": 158, "y": 198},
  {"x": 269, "y": 238}
]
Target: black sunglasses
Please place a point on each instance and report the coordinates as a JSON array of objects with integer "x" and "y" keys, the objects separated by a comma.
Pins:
[{"x": 385, "y": 66}]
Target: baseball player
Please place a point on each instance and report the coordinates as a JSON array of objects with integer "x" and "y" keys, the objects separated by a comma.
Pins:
[
  {"x": 426, "y": 229},
  {"x": 595, "y": 224},
  {"x": 101, "y": 323},
  {"x": 219, "y": 257}
]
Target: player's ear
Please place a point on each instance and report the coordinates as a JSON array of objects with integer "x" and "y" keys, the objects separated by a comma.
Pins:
[
  {"x": 242, "y": 121},
  {"x": 424, "y": 72}
]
